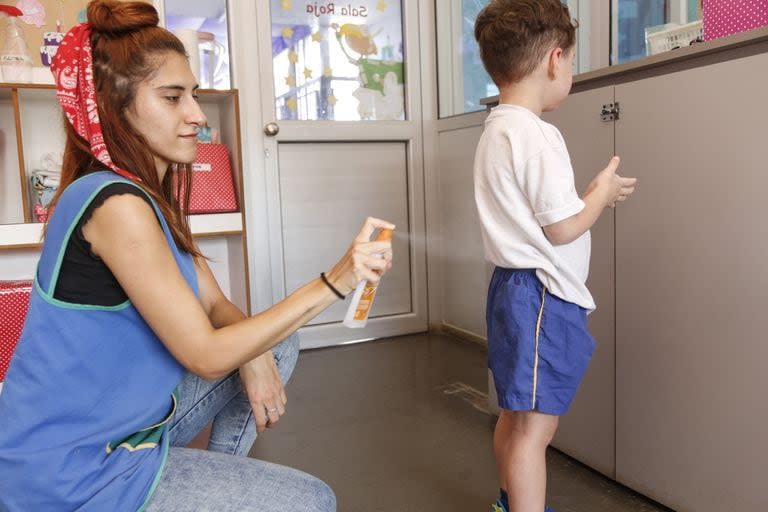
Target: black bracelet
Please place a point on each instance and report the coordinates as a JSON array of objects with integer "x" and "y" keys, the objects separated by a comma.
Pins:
[{"x": 328, "y": 283}]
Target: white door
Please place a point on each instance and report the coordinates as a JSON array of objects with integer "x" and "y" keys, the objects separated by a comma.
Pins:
[{"x": 336, "y": 136}]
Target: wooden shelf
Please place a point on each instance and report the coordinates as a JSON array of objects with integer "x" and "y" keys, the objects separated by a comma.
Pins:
[
  {"x": 20, "y": 236},
  {"x": 216, "y": 224},
  {"x": 28, "y": 236},
  {"x": 51, "y": 87},
  {"x": 11, "y": 85}
]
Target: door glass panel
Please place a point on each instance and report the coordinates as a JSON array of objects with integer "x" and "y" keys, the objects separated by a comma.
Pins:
[{"x": 338, "y": 61}]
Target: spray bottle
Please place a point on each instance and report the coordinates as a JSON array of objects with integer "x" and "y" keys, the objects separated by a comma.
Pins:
[
  {"x": 15, "y": 59},
  {"x": 362, "y": 300}
]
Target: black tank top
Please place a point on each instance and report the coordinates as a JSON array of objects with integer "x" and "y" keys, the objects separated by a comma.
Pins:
[{"x": 84, "y": 278}]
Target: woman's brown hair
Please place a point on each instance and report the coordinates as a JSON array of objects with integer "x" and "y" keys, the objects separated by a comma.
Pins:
[{"x": 128, "y": 47}]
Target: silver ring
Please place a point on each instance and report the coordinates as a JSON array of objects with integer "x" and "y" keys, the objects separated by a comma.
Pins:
[{"x": 274, "y": 409}]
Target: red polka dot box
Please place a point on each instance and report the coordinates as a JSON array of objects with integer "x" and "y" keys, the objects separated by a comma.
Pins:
[
  {"x": 725, "y": 17},
  {"x": 213, "y": 189},
  {"x": 14, "y": 302}
]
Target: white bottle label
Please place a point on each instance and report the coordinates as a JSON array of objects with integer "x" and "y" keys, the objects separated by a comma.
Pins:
[{"x": 14, "y": 59}]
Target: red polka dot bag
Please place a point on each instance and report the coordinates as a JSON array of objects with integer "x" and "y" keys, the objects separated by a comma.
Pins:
[
  {"x": 14, "y": 302},
  {"x": 213, "y": 189}
]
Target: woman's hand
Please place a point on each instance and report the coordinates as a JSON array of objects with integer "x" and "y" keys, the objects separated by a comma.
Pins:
[
  {"x": 364, "y": 260},
  {"x": 264, "y": 388}
]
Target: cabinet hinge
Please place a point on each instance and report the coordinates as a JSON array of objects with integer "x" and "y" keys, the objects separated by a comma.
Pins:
[{"x": 610, "y": 112}]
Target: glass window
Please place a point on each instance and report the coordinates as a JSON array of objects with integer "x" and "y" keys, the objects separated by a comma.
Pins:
[
  {"x": 649, "y": 27},
  {"x": 462, "y": 80},
  {"x": 202, "y": 27},
  {"x": 338, "y": 61},
  {"x": 638, "y": 28}
]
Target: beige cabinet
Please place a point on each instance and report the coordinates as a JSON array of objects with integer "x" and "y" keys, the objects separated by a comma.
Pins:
[
  {"x": 678, "y": 277},
  {"x": 691, "y": 288},
  {"x": 587, "y": 431}
]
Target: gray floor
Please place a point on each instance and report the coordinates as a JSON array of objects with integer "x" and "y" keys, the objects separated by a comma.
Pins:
[{"x": 399, "y": 425}]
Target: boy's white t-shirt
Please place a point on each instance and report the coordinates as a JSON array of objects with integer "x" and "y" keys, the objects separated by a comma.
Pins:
[{"x": 523, "y": 182}]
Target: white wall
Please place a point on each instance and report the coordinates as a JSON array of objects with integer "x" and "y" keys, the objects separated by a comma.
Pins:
[{"x": 465, "y": 273}]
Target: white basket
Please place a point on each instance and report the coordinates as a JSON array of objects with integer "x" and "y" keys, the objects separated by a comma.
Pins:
[{"x": 676, "y": 36}]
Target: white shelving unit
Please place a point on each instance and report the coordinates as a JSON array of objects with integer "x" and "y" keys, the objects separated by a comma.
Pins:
[{"x": 31, "y": 125}]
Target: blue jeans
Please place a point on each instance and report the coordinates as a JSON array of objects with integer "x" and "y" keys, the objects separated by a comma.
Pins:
[{"x": 214, "y": 480}]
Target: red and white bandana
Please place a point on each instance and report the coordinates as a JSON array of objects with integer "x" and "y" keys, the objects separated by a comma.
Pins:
[{"x": 72, "y": 69}]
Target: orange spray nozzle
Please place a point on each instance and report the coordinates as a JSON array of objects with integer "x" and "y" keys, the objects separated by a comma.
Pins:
[{"x": 384, "y": 235}]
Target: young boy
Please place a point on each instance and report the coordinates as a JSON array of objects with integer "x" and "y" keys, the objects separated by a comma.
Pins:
[{"x": 536, "y": 231}]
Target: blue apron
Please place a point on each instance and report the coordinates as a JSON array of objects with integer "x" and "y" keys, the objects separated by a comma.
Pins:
[{"x": 87, "y": 398}]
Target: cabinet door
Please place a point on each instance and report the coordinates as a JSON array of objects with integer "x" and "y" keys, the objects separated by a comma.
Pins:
[
  {"x": 587, "y": 431},
  {"x": 691, "y": 302}
]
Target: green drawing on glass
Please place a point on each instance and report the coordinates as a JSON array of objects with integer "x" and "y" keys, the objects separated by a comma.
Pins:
[{"x": 380, "y": 95}]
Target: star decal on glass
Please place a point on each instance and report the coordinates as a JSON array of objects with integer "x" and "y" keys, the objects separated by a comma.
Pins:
[{"x": 290, "y": 81}]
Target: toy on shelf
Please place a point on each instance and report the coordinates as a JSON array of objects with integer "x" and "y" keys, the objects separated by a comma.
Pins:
[
  {"x": 51, "y": 42},
  {"x": 45, "y": 183}
]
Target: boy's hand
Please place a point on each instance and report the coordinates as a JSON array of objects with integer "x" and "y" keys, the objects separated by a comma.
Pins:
[{"x": 614, "y": 188}]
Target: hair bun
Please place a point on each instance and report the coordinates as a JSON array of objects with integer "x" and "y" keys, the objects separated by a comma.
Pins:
[{"x": 115, "y": 18}]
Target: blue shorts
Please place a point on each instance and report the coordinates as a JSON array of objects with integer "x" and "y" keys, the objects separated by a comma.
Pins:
[{"x": 538, "y": 344}]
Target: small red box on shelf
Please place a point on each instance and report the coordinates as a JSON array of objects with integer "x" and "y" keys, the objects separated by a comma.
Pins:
[
  {"x": 726, "y": 17},
  {"x": 213, "y": 189},
  {"x": 41, "y": 212},
  {"x": 14, "y": 302}
]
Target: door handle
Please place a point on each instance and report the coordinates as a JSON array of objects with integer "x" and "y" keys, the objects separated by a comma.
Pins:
[{"x": 271, "y": 129}]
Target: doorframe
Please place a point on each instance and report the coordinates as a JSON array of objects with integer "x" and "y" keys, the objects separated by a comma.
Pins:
[
  {"x": 261, "y": 177},
  {"x": 244, "y": 52}
]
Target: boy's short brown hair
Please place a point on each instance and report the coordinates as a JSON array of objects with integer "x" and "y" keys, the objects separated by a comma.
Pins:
[{"x": 514, "y": 35}]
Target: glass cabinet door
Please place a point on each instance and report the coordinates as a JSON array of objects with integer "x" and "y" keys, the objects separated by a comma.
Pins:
[
  {"x": 202, "y": 27},
  {"x": 641, "y": 28}
]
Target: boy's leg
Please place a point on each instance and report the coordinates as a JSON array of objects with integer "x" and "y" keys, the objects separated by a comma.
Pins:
[
  {"x": 520, "y": 443},
  {"x": 223, "y": 400}
]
